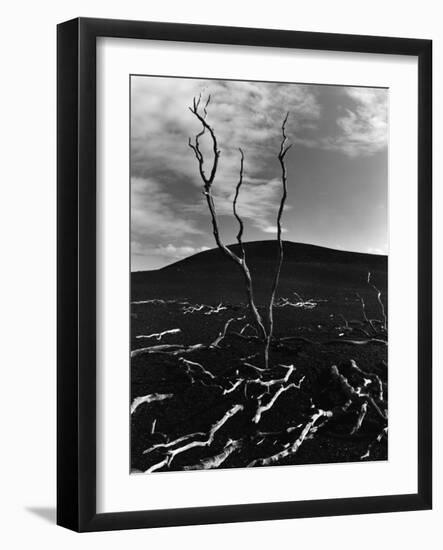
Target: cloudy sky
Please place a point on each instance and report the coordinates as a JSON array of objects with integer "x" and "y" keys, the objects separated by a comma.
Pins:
[{"x": 337, "y": 166}]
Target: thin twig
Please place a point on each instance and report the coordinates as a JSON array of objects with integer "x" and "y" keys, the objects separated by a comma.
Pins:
[
  {"x": 281, "y": 157},
  {"x": 379, "y": 300},
  {"x": 207, "y": 191},
  {"x": 234, "y": 207}
]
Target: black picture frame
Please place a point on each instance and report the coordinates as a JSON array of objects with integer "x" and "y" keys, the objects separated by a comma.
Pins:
[{"x": 77, "y": 249}]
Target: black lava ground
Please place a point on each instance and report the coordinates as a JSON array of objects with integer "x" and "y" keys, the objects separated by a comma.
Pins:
[{"x": 331, "y": 282}]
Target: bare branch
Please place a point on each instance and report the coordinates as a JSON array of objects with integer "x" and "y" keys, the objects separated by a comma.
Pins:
[
  {"x": 281, "y": 157},
  {"x": 217, "y": 460},
  {"x": 150, "y": 398},
  {"x": 360, "y": 418},
  {"x": 207, "y": 190},
  {"x": 263, "y": 408},
  {"x": 379, "y": 300},
  {"x": 365, "y": 316},
  {"x": 204, "y": 308},
  {"x": 309, "y": 426},
  {"x": 351, "y": 393},
  {"x": 375, "y": 379},
  {"x": 206, "y": 105},
  {"x": 157, "y": 466},
  {"x": 196, "y": 146},
  {"x": 192, "y": 365},
  {"x": 223, "y": 332},
  {"x": 234, "y": 386},
  {"x": 168, "y": 349},
  {"x": 159, "y": 335},
  {"x": 210, "y": 436},
  {"x": 234, "y": 207},
  {"x": 379, "y": 437}
]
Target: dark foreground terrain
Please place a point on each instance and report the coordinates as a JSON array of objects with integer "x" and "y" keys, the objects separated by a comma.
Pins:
[{"x": 201, "y": 397}]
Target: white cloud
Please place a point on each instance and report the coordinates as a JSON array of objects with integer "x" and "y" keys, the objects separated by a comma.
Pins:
[
  {"x": 364, "y": 128},
  {"x": 361, "y": 128},
  {"x": 272, "y": 229},
  {"x": 243, "y": 114},
  {"x": 375, "y": 250},
  {"x": 167, "y": 206},
  {"x": 178, "y": 252},
  {"x": 152, "y": 214},
  {"x": 257, "y": 203}
]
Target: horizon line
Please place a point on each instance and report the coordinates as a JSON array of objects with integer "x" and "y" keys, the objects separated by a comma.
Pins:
[{"x": 261, "y": 241}]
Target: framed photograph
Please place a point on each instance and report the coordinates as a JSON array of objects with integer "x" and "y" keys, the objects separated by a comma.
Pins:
[{"x": 244, "y": 274}]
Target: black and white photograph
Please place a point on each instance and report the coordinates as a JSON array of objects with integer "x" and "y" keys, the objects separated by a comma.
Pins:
[
  {"x": 259, "y": 257},
  {"x": 221, "y": 267}
]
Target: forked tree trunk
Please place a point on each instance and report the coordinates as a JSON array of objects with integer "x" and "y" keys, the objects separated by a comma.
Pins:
[{"x": 264, "y": 332}]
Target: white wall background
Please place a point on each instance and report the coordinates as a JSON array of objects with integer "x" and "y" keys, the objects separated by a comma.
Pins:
[{"x": 27, "y": 232}]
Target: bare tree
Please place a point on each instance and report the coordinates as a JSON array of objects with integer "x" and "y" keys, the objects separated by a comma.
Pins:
[
  {"x": 284, "y": 148},
  {"x": 200, "y": 112}
]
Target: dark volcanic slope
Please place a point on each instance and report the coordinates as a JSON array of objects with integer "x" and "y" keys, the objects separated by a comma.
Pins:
[{"x": 310, "y": 270}]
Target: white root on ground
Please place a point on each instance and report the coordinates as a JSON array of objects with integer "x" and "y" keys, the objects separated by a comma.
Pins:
[
  {"x": 263, "y": 408},
  {"x": 248, "y": 325},
  {"x": 150, "y": 398},
  {"x": 314, "y": 300},
  {"x": 159, "y": 301},
  {"x": 360, "y": 398},
  {"x": 289, "y": 371},
  {"x": 157, "y": 466},
  {"x": 380, "y": 436},
  {"x": 174, "y": 442},
  {"x": 213, "y": 310},
  {"x": 268, "y": 383},
  {"x": 159, "y": 335},
  {"x": 265, "y": 383},
  {"x": 195, "y": 371},
  {"x": 218, "y": 459},
  {"x": 354, "y": 394},
  {"x": 176, "y": 349},
  {"x": 301, "y": 304},
  {"x": 193, "y": 309},
  {"x": 372, "y": 378},
  {"x": 192, "y": 366},
  {"x": 360, "y": 418},
  {"x": 292, "y": 449},
  {"x": 357, "y": 342},
  {"x": 223, "y": 332},
  {"x": 204, "y": 308},
  {"x": 234, "y": 386},
  {"x": 210, "y": 437},
  {"x": 190, "y": 441},
  {"x": 169, "y": 349},
  {"x": 154, "y": 301},
  {"x": 258, "y": 369}
]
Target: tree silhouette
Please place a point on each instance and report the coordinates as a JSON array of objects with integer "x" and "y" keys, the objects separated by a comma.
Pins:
[{"x": 264, "y": 328}]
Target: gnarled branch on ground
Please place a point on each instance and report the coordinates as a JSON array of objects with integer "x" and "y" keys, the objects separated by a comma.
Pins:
[
  {"x": 217, "y": 460},
  {"x": 150, "y": 398},
  {"x": 191, "y": 441}
]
